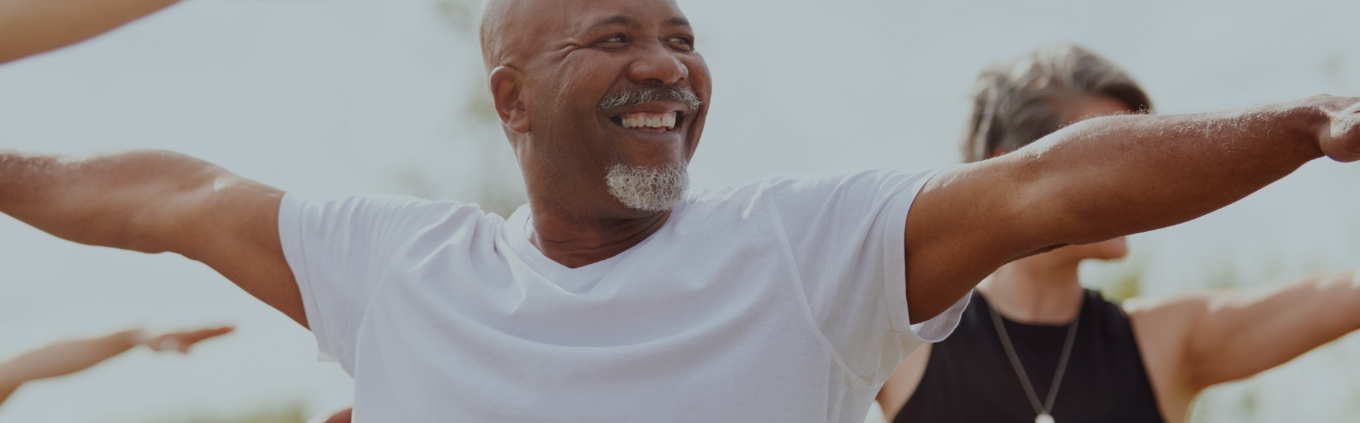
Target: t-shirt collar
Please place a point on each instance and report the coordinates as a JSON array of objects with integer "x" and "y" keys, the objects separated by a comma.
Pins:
[{"x": 573, "y": 280}]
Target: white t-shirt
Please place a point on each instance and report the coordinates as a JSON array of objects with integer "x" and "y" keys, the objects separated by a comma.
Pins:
[{"x": 779, "y": 301}]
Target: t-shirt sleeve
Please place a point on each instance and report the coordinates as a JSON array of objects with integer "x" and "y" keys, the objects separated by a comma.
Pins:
[
  {"x": 846, "y": 232},
  {"x": 338, "y": 248}
]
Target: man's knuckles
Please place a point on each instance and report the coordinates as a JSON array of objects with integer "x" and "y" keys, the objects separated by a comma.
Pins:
[{"x": 1342, "y": 143}]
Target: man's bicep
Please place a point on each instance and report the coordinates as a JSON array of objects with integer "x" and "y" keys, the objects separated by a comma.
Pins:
[
  {"x": 233, "y": 227},
  {"x": 962, "y": 226}
]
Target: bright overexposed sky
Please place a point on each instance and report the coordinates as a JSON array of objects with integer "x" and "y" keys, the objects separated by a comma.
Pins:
[{"x": 338, "y": 96}]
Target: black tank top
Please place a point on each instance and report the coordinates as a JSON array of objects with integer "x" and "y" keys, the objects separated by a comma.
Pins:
[{"x": 970, "y": 379}]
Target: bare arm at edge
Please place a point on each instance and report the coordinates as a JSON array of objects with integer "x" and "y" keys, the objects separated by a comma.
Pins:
[
  {"x": 1195, "y": 341},
  {"x": 66, "y": 357},
  {"x": 154, "y": 202},
  {"x": 344, "y": 416},
  {"x": 1107, "y": 177},
  {"x": 29, "y": 27}
]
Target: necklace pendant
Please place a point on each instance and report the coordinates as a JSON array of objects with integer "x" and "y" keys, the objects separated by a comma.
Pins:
[{"x": 1043, "y": 418}]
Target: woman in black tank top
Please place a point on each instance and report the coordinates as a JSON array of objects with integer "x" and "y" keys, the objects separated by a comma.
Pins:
[
  {"x": 969, "y": 377},
  {"x": 1143, "y": 362}
]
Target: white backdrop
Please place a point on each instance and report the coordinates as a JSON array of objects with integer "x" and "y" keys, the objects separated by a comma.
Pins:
[{"x": 336, "y": 96}]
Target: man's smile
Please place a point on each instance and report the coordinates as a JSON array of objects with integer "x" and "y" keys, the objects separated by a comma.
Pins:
[
  {"x": 649, "y": 121},
  {"x": 652, "y": 118}
]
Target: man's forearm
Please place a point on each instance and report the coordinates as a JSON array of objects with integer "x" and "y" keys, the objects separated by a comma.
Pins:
[
  {"x": 1115, "y": 176},
  {"x": 29, "y": 27},
  {"x": 157, "y": 201},
  {"x": 1104, "y": 178},
  {"x": 125, "y": 200}
]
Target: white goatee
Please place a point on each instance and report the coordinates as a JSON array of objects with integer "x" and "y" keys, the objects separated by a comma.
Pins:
[{"x": 650, "y": 189}]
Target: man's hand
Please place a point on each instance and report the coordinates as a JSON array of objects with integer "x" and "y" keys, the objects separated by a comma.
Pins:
[
  {"x": 1339, "y": 137},
  {"x": 1104, "y": 178}
]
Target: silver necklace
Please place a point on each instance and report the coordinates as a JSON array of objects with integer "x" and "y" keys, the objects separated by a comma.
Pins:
[{"x": 1047, "y": 406}]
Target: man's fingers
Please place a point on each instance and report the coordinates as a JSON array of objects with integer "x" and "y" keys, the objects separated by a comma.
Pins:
[
  {"x": 1352, "y": 110},
  {"x": 1341, "y": 139},
  {"x": 1346, "y": 131}
]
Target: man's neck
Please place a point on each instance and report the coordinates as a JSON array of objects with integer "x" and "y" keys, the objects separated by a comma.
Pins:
[
  {"x": 575, "y": 241},
  {"x": 1035, "y": 291}
]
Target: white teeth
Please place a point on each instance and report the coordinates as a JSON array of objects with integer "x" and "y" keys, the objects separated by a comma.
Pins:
[{"x": 649, "y": 120}]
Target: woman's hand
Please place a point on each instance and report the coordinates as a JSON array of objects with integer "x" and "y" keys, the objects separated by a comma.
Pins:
[{"x": 181, "y": 341}]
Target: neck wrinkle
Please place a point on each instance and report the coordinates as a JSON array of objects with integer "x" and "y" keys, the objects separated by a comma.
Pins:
[{"x": 576, "y": 242}]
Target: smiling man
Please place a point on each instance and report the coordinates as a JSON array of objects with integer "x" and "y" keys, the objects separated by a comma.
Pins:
[{"x": 619, "y": 294}]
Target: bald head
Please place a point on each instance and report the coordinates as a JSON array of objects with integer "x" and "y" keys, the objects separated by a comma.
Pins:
[{"x": 503, "y": 27}]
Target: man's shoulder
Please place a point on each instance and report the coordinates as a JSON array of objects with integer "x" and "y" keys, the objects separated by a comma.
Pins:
[
  {"x": 798, "y": 198},
  {"x": 806, "y": 182},
  {"x": 824, "y": 188},
  {"x": 377, "y": 201},
  {"x": 382, "y": 211}
]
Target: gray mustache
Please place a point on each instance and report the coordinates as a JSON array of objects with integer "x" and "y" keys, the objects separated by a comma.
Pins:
[{"x": 640, "y": 96}]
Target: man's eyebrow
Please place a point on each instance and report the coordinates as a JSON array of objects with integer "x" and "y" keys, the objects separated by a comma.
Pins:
[
  {"x": 627, "y": 21},
  {"x": 612, "y": 21}
]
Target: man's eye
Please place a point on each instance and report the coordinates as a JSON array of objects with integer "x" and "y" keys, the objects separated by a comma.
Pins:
[
  {"x": 614, "y": 39},
  {"x": 688, "y": 43}
]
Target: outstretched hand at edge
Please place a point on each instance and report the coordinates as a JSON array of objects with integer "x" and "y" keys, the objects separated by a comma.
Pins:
[
  {"x": 182, "y": 341},
  {"x": 1339, "y": 138}
]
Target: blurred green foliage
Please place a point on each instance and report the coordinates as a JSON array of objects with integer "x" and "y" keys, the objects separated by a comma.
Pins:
[
  {"x": 1121, "y": 279},
  {"x": 1123, "y": 285}
]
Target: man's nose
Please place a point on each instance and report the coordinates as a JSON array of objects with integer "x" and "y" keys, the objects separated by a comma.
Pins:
[{"x": 657, "y": 64}]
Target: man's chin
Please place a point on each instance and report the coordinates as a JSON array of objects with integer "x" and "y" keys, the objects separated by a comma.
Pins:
[{"x": 648, "y": 188}]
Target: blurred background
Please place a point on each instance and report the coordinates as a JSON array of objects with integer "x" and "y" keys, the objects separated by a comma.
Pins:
[{"x": 342, "y": 96}]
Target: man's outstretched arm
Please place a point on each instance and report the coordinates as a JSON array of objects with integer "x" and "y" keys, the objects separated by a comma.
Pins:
[
  {"x": 29, "y": 27},
  {"x": 1107, "y": 177},
  {"x": 153, "y": 202}
]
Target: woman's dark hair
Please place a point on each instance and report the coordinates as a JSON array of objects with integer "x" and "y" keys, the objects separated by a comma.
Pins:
[{"x": 1019, "y": 102}]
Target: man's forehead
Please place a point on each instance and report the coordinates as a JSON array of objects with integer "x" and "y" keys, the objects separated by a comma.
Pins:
[
  {"x": 625, "y": 13},
  {"x": 515, "y": 28},
  {"x": 579, "y": 15}
]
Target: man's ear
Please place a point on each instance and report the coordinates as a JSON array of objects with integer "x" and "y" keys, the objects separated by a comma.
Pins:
[{"x": 505, "y": 92}]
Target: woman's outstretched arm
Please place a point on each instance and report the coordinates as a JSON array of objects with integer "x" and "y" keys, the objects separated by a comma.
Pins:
[
  {"x": 66, "y": 357},
  {"x": 1194, "y": 341}
]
